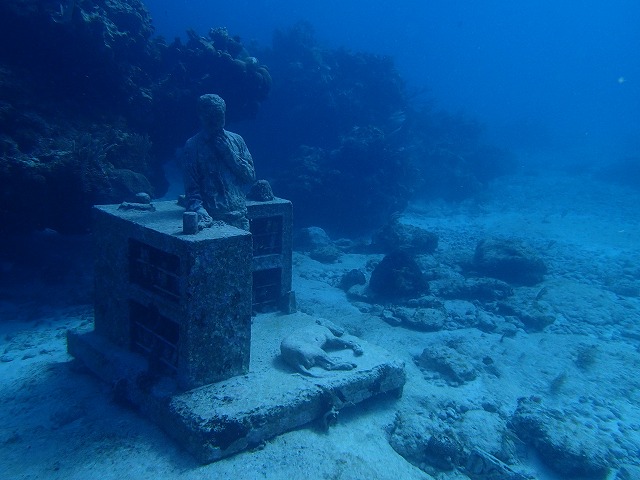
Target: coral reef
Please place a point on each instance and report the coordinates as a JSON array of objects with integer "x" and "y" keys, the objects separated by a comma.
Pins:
[
  {"x": 91, "y": 105},
  {"x": 340, "y": 132},
  {"x": 353, "y": 139}
]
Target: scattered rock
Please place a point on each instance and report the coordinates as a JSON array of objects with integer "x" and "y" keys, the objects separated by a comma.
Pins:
[
  {"x": 143, "y": 197},
  {"x": 447, "y": 362},
  {"x": 390, "y": 318},
  {"x": 461, "y": 314},
  {"x": 311, "y": 238},
  {"x": 487, "y": 432},
  {"x": 316, "y": 241},
  {"x": 483, "y": 289},
  {"x": 508, "y": 260},
  {"x": 361, "y": 294},
  {"x": 445, "y": 438},
  {"x": 351, "y": 278},
  {"x": 399, "y": 236},
  {"x": 486, "y": 322},
  {"x": 328, "y": 254},
  {"x": 586, "y": 356},
  {"x": 425, "y": 301},
  {"x": 422, "y": 319},
  {"x": 534, "y": 315},
  {"x": 563, "y": 442},
  {"x": 427, "y": 442},
  {"x": 398, "y": 277},
  {"x": 444, "y": 451}
]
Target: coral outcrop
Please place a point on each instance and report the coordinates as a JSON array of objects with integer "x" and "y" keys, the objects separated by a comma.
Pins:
[{"x": 91, "y": 104}]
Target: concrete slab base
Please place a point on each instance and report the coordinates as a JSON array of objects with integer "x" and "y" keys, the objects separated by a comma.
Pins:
[{"x": 224, "y": 418}]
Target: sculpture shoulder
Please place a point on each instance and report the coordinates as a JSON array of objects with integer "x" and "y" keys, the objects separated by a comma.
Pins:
[{"x": 234, "y": 137}]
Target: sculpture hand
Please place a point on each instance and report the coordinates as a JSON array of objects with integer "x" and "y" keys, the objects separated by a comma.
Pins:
[{"x": 204, "y": 219}]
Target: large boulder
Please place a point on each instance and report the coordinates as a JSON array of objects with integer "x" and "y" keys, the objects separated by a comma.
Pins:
[
  {"x": 396, "y": 235},
  {"x": 425, "y": 319},
  {"x": 398, "y": 277},
  {"x": 453, "y": 366},
  {"x": 480, "y": 288},
  {"x": 563, "y": 442},
  {"x": 509, "y": 260},
  {"x": 317, "y": 243},
  {"x": 464, "y": 442}
]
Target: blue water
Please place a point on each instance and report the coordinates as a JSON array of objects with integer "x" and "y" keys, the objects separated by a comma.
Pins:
[{"x": 541, "y": 76}]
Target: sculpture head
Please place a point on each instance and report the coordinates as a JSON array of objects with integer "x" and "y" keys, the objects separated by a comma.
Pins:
[{"x": 211, "y": 110}]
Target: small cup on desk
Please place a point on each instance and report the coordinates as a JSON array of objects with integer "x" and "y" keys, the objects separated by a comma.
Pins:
[{"x": 189, "y": 223}]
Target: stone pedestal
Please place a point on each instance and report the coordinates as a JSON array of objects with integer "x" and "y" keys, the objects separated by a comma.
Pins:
[
  {"x": 271, "y": 223},
  {"x": 218, "y": 420},
  {"x": 182, "y": 301},
  {"x": 174, "y": 335}
]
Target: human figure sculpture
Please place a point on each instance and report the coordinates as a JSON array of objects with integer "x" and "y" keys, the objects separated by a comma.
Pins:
[{"x": 216, "y": 165}]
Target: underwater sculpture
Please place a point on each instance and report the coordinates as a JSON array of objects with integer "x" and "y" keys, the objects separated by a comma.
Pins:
[
  {"x": 305, "y": 348},
  {"x": 216, "y": 164}
]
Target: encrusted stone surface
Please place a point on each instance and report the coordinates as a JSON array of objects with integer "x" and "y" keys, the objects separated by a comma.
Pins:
[
  {"x": 218, "y": 420},
  {"x": 201, "y": 284},
  {"x": 278, "y": 254}
]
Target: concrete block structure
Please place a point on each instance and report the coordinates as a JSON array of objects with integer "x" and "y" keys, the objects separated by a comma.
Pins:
[
  {"x": 174, "y": 332},
  {"x": 270, "y": 224},
  {"x": 182, "y": 301},
  {"x": 221, "y": 419},
  {"x": 185, "y": 301}
]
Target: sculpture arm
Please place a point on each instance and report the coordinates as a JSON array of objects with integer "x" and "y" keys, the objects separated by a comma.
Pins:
[
  {"x": 238, "y": 159},
  {"x": 193, "y": 194},
  {"x": 191, "y": 177}
]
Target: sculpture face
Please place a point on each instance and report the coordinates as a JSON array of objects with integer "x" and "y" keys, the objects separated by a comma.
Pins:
[{"x": 211, "y": 109}]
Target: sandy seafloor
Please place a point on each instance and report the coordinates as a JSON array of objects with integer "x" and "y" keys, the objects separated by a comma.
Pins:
[{"x": 57, "y": 421}]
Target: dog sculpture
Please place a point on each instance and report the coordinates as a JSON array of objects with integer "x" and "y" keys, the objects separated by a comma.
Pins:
[{"x": 305, "y": 348}]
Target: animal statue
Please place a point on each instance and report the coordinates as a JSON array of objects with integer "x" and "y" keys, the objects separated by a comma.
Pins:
[{"x": 305, "y": 348}]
